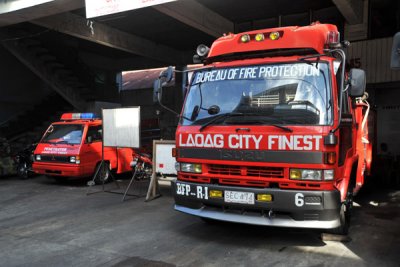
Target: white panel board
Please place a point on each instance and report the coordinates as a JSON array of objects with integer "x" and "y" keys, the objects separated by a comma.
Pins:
[
  {"x": 121, "y": 127},
  {"x": 10, "y": 6},
  {"x": 165, "y": 163},
  {"x": 96, "y": 8}
]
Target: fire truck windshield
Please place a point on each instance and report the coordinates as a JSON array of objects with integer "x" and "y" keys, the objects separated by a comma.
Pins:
[
  {"x": 289, "y": 94},
  {"x": 64, "y": 134}
]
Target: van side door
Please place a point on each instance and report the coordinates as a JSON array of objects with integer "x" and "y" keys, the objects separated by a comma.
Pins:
[{"x": 92, "y": 149}]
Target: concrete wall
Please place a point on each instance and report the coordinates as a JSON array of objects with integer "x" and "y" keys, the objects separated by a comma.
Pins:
[
  {"x": 387, "y": 103},
  {"x": 20, "y": 89}
]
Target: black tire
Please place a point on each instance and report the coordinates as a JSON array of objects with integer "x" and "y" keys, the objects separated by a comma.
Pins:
[
  {"x": 103, "y": 176},
  {"x": 209, "y": 221},
  {"x": 346, "y": 207},
  {"x": 59, "y": 179},
  {"x": 345, "y": 217},
  {"x": 22, "y": 170}
]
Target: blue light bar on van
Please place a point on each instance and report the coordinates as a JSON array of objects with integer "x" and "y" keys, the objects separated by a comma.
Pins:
[{"x": 79, "y": 116}]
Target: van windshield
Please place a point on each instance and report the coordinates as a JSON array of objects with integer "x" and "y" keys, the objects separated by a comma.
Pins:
[
  {"x": 64, "y": 134},
  {"x": 286, "y": 94}
]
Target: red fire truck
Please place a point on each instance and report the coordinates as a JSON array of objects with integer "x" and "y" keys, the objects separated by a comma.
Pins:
[
  {"x": 72, "y": 148},
  {"x": 273, "y": 130}
]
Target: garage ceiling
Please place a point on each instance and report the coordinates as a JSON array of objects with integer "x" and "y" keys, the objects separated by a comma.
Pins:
[
  {"x": 145, "y": 38},
  {"x": 150, "y": 37},
  {"x": 164, "y": 34}
]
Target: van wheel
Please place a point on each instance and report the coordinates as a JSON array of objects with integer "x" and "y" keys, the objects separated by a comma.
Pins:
[
  {"x": 103, "y": 176},
  {"x": 22, "y": 170},
  {"x": 59, "y": 179}
]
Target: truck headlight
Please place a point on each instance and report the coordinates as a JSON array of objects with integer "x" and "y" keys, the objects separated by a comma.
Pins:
[
  {"x": 300, "y": 174},
  {"x": 313, "y": 175},
  {"x": 38, "y": 157},
  {"x": 329, "y": 175},
  {"x": 190, "y": 167}
]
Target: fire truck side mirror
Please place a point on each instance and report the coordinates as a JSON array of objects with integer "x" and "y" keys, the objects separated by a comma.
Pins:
[
  {"x": 167, "y": 74},
  {"x": 395, "y": 57},
  {"x": 164, "y": 78},
  {"x": 157, "y": 91},
  {"x": 357, "y": 81}
]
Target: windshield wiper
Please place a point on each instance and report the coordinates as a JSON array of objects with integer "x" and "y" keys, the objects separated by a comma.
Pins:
[
  {"x": 317, "y": 57},
  {"x": 265, "y": 122},
  {"x": 219, "y": 117},
  {"x": 287, "y": 129},
  {"x": 233, "y": 114},
  {"x": 65, "y": 142}
]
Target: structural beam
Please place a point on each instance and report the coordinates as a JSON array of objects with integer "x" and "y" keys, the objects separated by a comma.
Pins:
[
  {"x": 352, "y": 10},
  {"x": 96, "y": 32},
  {"x": 355, "y": 32},
  {"x": 131, "y": 62},
  {"x": 197, "y": 16},
  {"x": 13, "y": 12}
]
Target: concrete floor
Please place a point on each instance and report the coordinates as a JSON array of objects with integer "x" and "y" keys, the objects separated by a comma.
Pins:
[{"x": 44, "y": 223}]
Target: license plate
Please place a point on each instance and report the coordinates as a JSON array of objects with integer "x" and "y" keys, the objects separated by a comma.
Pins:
[
  {"x": 239, "y": 197},
  {"x": 199, "y": 192}
]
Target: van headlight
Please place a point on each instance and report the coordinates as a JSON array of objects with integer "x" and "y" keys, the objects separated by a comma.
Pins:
[
  {"x": 38, "y": 157},
  {"x": 74, "y": 159},
  {"x": 189, "y": 167}
]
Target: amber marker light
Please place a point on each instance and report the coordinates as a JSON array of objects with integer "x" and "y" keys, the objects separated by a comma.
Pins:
[
  {"x": 330, "y": 158},
  {"x": 295, "y": 174},
  {"x": 216, "y": 194},
  {"x": 274, "y": 36},
  {"x": 259, "y": 37},
  {"x": 264, "y": 197}
]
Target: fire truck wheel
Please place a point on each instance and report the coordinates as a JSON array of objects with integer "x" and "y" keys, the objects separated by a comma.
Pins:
[
  {"x": 104, "y": 175},
  {"x": 210, "y": 221},
  {"x": 345, "y": 215}
]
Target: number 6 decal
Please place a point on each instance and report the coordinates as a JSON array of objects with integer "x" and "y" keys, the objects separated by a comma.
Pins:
[{"x": 299, "y": 199}]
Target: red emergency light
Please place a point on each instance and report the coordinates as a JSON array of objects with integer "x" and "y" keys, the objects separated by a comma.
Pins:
[
  {"x": 78, "y": 116},
  {"x": 333, "y": 39}
]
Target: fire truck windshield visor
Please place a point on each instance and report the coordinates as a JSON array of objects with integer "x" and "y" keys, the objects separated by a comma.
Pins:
[
  {"x": 64, "y": 134},
  {"x": 289, "y": 94}
]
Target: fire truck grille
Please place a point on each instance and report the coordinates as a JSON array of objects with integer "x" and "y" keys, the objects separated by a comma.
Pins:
[
  {"x": 49, "y": 158},
  {"x": 251, "y": 176},
  {"x": 265, "y": 172},
  {"x": 224, "y": 170},
  {"x": 253, "y": 171}
]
